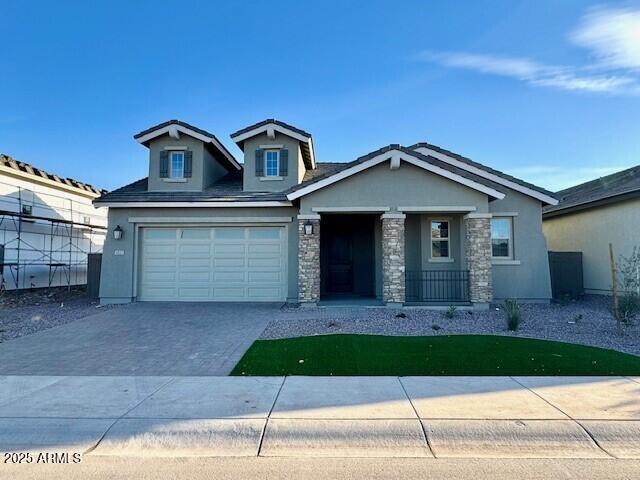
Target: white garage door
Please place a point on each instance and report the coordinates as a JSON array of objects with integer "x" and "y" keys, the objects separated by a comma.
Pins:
[{"x": 213, "y": 263}]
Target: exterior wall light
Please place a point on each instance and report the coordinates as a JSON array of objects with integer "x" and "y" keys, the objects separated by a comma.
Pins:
[
  {"x": 117, "y": 233},
  {"x": 308, "y": 228}
]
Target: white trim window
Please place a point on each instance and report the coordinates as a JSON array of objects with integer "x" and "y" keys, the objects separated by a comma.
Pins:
[
  {"x": 440, "y": 240},
  {"x": 176, "y": 164},
  {"x": 271, "y": 163},
  {"x": 501, "y": 238}
]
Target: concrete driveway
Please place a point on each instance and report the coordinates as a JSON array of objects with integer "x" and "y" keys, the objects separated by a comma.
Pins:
[{"x": 171, "y": 339}]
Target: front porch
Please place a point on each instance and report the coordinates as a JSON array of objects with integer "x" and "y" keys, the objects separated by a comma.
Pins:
[{"x": 396, "y": 258}]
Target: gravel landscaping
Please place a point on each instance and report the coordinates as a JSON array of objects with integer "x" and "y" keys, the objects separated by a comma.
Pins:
[
  {"x": 588, "y": 322},
  {"x": 32, "y": 311}
]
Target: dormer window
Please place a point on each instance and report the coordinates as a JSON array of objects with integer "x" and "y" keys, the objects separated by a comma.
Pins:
[
  {"x": 177, "y": 164},
  {"x": 272, "y": 163}
]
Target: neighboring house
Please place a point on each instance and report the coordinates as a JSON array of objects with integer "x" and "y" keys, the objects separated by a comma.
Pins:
[
  {"x": 398, "y": 225},
  {"x": 48, "y": 225},
  {"x": 592, "y": 215}
]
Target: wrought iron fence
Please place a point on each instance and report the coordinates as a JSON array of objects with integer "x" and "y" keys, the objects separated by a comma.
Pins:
[{"x": 437, "y": 286}]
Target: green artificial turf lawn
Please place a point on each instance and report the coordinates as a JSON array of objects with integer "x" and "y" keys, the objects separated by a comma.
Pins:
[{"x": 434, "y": 355}]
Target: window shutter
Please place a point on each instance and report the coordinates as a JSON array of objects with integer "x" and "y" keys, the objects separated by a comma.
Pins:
[
  {"x": 164, "y": 164},
  {"x": 188, "y": 164},
  {"x": 259, "y": 163},
  {"x": 284, "y": 163}
]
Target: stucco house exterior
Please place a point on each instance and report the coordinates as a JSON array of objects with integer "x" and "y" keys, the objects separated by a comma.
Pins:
[
  {"x": 400, "y": 225},
  {"x": 48, "y": 226},
  {"x": 591, "y": 215}
]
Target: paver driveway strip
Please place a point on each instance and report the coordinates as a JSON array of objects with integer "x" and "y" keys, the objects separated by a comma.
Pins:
[
  {"x": 211, "y": 397},
  {"x": 342, "y": 397},
  {"x": 589, "y": 398},
  {"x": 476, "y": 398},
  {"x": 142, "y": 339}
]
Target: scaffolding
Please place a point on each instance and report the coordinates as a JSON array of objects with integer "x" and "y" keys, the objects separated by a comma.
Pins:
[{"x": 45, "y": 235}]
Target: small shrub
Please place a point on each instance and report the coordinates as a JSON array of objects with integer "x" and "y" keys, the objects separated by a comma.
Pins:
[
  {"x": 435, "y": 327},
  {"x": 451, "y": 311},
  {"x": 628, "y": 307},
  {"x": 401, "y": 315},
  {"x": 512, "y": 312}
]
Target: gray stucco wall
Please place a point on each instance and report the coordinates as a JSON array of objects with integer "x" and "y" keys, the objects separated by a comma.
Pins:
[
  {"x": 117, "y": 276},
  {"x": 212, "y": 168},
  {"x": 255, "y": 184},
  {"x": 380, "y": 186},
  {"x": 590, "y": 232},
  {"x": 157, "y": 184},
  {"x": 530, "y": 279}
]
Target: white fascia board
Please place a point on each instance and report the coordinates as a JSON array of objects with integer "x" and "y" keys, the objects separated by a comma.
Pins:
[
  {"x": 208, "y": 220},
  {"x": 46, "y": 181},
  {"x": 194, "y": 204},
  {"x": 489, "y": 176},
  {"x": 349, "y": 209},
  {"x": 277, "y": 128},
  {"x": 386, "y": 156},
  {"x": 191, "y": 133}
]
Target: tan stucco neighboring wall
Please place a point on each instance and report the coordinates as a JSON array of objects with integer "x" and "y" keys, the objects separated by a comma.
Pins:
[{"x": 590, "y": 232}]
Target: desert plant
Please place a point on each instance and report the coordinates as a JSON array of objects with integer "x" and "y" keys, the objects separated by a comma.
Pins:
[
  {"x": 512, "y": 313},
  {"x": 629, "y": 286},
  {"x": 451, "y": 311}
]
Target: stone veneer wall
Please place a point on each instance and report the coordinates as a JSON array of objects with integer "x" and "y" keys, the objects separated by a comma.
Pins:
[
  {"x": 478, "y": 256},
  {"x": 393, "y": 266},
  {"x": 309, "y": 262}
]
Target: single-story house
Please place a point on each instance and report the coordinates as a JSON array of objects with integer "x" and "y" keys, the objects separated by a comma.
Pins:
[
  {"x": 48, "y": 225},
  {"x": 591, "y": 215},
  {"x": 400, "y": 225}
]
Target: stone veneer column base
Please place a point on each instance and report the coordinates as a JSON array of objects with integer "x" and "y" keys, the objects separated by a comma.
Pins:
[
  {"x": 393, "y": 266},
  {"x": 309, "y": 261},
  {"x": 478, "y": 256}
]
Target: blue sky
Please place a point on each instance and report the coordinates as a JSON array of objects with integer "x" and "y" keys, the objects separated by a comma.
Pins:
[{"x": 545, "y": 90}]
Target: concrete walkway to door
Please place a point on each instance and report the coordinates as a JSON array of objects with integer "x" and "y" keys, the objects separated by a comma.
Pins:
[{"x": 142, "y": 339}]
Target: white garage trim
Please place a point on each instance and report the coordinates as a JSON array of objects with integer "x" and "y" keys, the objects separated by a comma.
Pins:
[
  {"x": 270, "y": 203},
  {"x": 180, "y": 221}
]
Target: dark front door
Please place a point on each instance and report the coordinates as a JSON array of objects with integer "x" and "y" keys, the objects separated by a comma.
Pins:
[
  {"x": 340, "y": 262},
  {"x": 347, "y": 255}
]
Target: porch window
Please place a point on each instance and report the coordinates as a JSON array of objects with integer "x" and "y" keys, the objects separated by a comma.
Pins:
[
  {"x": 440, "y": 239},
  {"x": 501, "y": 238}
]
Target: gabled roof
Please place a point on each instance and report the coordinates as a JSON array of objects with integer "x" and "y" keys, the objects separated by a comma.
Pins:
[
  {"x": 327, "y": 174},
  {"x": 612, "y": 188},
  {"x": 270, "y": 126},
  {"x": 175, "y": 127},
  {"x": 489, "y": 173},
  {"x": 227, "y": 189},
  {"x": 10, "y": 165}
]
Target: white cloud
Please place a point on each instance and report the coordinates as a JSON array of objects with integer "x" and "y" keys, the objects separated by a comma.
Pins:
[{"x": 613, "y": 36}]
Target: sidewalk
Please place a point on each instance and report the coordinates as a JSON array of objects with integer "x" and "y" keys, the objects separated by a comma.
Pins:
[{"x": 443, "y": 417}]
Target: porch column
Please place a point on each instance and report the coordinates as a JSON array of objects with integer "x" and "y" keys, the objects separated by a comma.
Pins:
[
  {"x": 309, "y": 259},
  {"x": 393, "y": 267},
  {"x": 478, "y": 256}
]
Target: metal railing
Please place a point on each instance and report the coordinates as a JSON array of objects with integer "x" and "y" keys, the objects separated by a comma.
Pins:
[{"x": 437, "y": 286}]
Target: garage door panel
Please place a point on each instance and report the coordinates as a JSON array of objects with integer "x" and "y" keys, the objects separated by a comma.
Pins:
[
  {"x": 261, "y": 277},
  {"x": 264, "y": 249},
  {"x": 218, "y": 264}
]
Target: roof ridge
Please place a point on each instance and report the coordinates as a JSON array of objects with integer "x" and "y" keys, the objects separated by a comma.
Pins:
[{"x": 29, "y": 169}]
